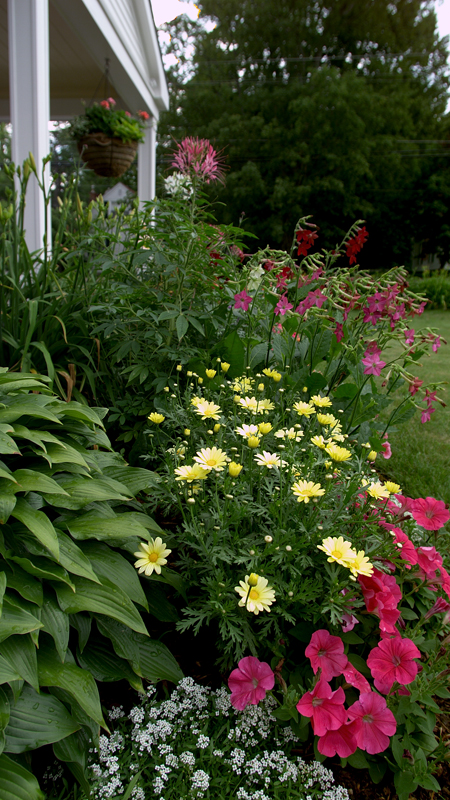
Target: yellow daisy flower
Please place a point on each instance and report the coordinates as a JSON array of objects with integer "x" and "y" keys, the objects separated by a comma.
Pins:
[
  {"x": 338, "y": 550},
  {"x": 243, "y": 384},
  {"x": 276, "y": 376},
  {"x": 319, "y": 441},
  {"x": 255, "y": 597},
  {"x": 378, "y": 491},
  {"x": 247, "y": 430},
  {"x": 249, "y": 403},
  {"x": 152, "y": 556},
  {"x": 253, "y": 441},
  {"x": 392, "y": 488},
  {"x": 264, "y": 427},
  {"x": 207, "y": 410},
  {"x": 196, "y": 400},
  {"x": 268, "y": 372},
  {"x": 268, "y": 460},
  {"x": 234, "y": 469},
  {"x": 156, "y": 418},
  {"x": 321, "y": 402},
  {"x": 225, "y": 366},
  {"x": 327, "y": 419},
  {"x": 265, "y": 405},
  {"x": 210, "y": 373},
  {"x": 305, "y": 490},
  {"x": 304, "y": 409},
  {"x": 361, "y": 565},
  {"x": 211, "y": 458},
  {"x": 191, "y": 472},
  {"x": 338, "y": 453}
]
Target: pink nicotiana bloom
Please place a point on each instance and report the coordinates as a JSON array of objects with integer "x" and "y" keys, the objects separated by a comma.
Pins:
[
  {"x": 243, "y": 300},
  {"x": 325, "y": 707},
  {"x": 426, "y": 414},
  {"x": 250, "y": 682},
  {"x": 341, "y": 742},
  {"x": 436, "y": 344},
  {"x": 282, "y": 306},
  {"x": 430, "y": 513},
  {"x": 375, "y": 722},
  {"x": 197, "y": 157},
  {"x": 355, "y": 678},
  {"x": 409, "y": 336},
  {"x": 373, "y": 363},
  {"x": 414, "y": 386},
  {"x": 393, "y": 661},
  {"x": 339, "y": 331},
  {"x": 326, "y": 652}
]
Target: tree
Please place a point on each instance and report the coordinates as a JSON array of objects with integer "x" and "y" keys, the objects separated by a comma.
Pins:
[{"x": 318, "y": 106}]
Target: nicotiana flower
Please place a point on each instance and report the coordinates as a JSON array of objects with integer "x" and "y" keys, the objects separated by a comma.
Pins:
[
  {"x": 250, "y": 682},
  {"x": 305, "y": 490},
  {"x": 211, "y": 458},
  {"x": 326, "y": 652},
  {"x": 338, "y": 550},
  {"x": 207, "y": 410},
  {"x": 242, "y": 300},
  {"x": 191, "y": 473},
  {"x": 156, "y": 418},
  {"x": 269, "y": 460},
  {"x": 430, "y": 513},
  {"x": 393, "y": 660},
  {"x": 151, "y": 556},
  {"x": 375, "y": 722},
  {"x": 255, "y": 597}
]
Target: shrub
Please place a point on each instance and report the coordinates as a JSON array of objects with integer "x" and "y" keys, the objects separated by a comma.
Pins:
[
  {"x": 72, "y": 602},
  {"x": 436, "y": 288}
]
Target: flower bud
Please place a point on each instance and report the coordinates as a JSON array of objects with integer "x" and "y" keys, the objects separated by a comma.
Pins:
[
  {"x": 225, "y": 366},
  {"x": 234, "y": 469},
  {"x": 253, "y": 579},
  {"x": 253, "y": 442}
]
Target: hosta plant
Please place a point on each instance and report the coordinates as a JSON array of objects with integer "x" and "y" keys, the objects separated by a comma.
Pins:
[{"x": 73, "y": 607}]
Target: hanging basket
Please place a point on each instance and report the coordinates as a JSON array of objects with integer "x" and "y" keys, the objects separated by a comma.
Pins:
[{"x": 106, "y": 156}]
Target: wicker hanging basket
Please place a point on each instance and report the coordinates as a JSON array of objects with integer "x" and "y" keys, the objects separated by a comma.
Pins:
[{"x": 106, "y": 156}]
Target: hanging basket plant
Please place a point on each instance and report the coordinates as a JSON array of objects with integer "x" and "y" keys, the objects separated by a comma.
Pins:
[{"x": 107, "y": 138}]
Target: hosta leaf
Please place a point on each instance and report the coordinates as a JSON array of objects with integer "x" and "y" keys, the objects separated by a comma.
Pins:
[
  {"x": 31, "y": 481},
  {"x": 80, "y": 492},
  {"x": 20, "y": 653},
  {"x": 149, "y": 658},
  {"x": 82, "y": 624},
  {"x": 16, "y": 782},
  {"x": 3, "y": 580},
  {"x": 110, "y": 565},
  {"x": 16, "y": 621},
  {"x": 106, "y": 529},
  {"x": 43, "y": 568},
  {"x": 84, "y": 413},
  {"x": 142, "y": 519},
  {"x": 65, "y": 454},
  {"x": 28, "y": 405},
  {"x": 134, "y": 478},
  {"x": 73, "y": 750},
  {"x": 5, "y": 709},
  {"x": 37, "y": 720},
  {"x": 23, "y": 583},
  {"x": 56, "y": 623},
  {"x": 106, "y": 666},
  {"x": 7, "y": 504},
  {"x": 107, "y": 600},
  {"x": 38, "y": 523},
  {"x": 7, "y": 475},
  {"x": 7, "y": 673},
  {"x": 78, "y": 682},
  {"x": 7, "y": 445}
]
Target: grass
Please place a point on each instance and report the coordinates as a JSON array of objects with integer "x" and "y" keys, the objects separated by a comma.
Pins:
[{"x": 420, "y": 460}]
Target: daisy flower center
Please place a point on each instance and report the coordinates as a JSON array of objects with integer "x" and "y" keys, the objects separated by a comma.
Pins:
[
  {"x": 254, "y": 594},
  {"x": 153, "y": 557}
]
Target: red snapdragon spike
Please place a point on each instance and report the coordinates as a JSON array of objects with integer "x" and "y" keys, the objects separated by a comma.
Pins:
[
  {"x": 326, "y": 652},
  {"x": 430, "y": 513},
  {"x": 250, "y": 682},
  {"x": 375, "y": 722},
  {"x": 393, "y": 661},
  {"x": 325, "y": 707},
  {"x": 355, "y": 244}
]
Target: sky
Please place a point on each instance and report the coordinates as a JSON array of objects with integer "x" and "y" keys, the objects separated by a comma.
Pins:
[{"x": 166, "y": 10}]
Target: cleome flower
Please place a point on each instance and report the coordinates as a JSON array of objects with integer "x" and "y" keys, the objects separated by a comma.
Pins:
[
  {"x": 247, "y": 430},
  {"x": 269, "y": 460},
  {"x": 192, "y": 472},
  {"x": 338, "y": 453},
  {"x": 152, "y": 556},
  {"x": 207, "y": 410},
  {"x": 321, "y": 402},
  {"x": 211, "y": 458},
  {"x": 304, "y": 409},
  {"x": 305, "y": 490},
  {"x": 156, "y": 418},
  {"x": 338, "y": 550},
  {"x": 255, "y": 597}
]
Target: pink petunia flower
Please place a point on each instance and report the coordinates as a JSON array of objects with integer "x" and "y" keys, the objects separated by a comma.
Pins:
[
  {"x": 250, "y": 682},
  {"x": 325, "y": 707},
  {"x": 354, "y": 678},
  {"x": 382, "y": 596},
  {"x": 104, "y": 104},
  {"x": 326, "y": 652},
  {"x": 444, "y": 581},
  {"x": 341, "y": 742},
  {"x": 392, "y": 661},
  {"x": 430, "y": 513},
  {"x": 111, "y": 101},
  {"x": 375, "y": 722},
  {"x": 282, "y": 306},
  {"x": 405, "y": 546},
  {"x": 348, "y": 622},
  {"x": 429, "y": 561},
  {"x": 243, "y": 300}
]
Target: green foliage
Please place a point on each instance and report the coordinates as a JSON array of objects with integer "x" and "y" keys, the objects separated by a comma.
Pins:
[
  {"x": 436, "y": 288},
  {"x": 108, "y": 120},
  {"x": 69, "y": 525}
]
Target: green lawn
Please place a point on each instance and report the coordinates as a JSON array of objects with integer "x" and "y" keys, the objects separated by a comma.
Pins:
[{"x": 420, "y": 460}]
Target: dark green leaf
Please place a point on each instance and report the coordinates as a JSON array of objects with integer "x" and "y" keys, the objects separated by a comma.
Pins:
[
  {"x": 16, "y": 621},
  {"x": 37, "y": 719},
  {"x": 110, "y": 565},
  {"x": 39, "y": 524},
  {"x": 16, "y": 782},
  {"x": 56, "y": 623},
  {"x": 107, "y": 666},
  {"x": 19, "y": 653},
  {"x": 107, "y": 600},
  {"x": 78, "y": 682}
]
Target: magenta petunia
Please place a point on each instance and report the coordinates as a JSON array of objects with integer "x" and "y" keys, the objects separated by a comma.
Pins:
[
  {"x": 381, "y": 596},
  {"x": 341, "y": 742},
  {"x": 326, "y": 652},
  {"x": 429, "y": 561},
  {"x": 355, "y": 678},
  {"x": 375, "y": 722},
  {"x": 325, "y": 707},
  {"x": 405, "y": 547},
  {"x": 393, "y": 661},
  {"x": 430, "y": 513},
  {"x": 250, "y": 682}
]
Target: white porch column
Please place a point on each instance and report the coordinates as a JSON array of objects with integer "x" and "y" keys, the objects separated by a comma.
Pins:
[
  {"x": 29, "y": 93},
  {"x": 147, "y": 163}
]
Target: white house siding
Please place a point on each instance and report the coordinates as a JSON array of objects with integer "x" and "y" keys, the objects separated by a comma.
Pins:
[{"x": 123, "y": 19}]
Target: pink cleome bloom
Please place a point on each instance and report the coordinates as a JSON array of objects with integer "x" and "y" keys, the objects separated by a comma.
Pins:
[
  {"x": 197, "y": 157},
  {"x": 341, "y": 742},
  {"x": 250, "y": 682},
  {"x": 375, "y": 722},
  {"x": 324, "y": 706},
  {"x": 392, "y": 661},
  {"x": 243, "y": 300},
  {"x": 430, "y": 513},
  {"x": 326, "y": 652}
]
